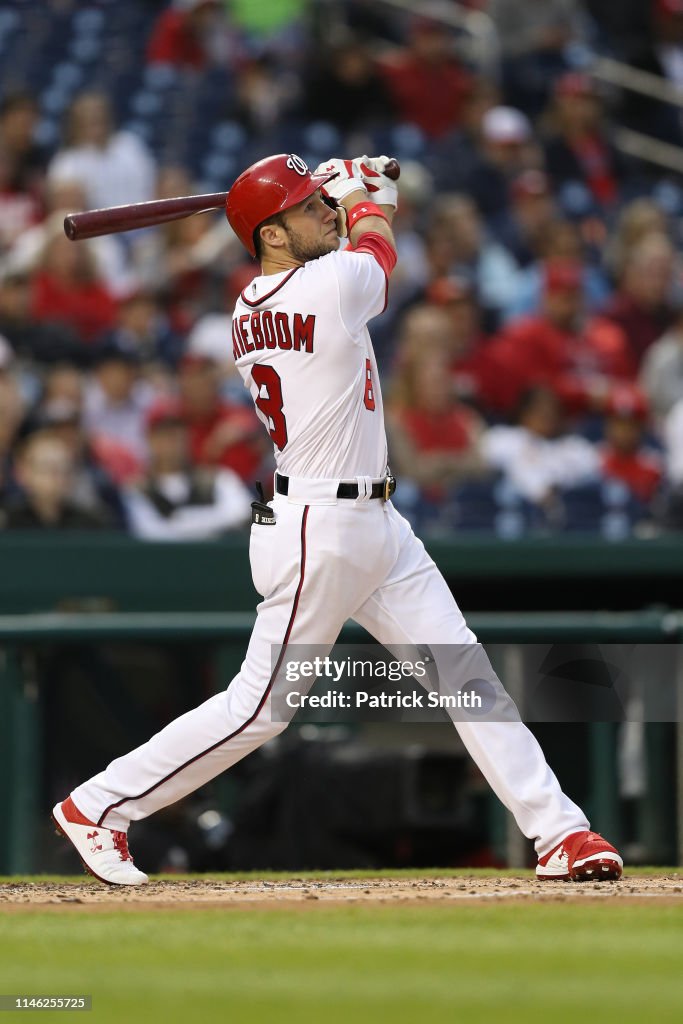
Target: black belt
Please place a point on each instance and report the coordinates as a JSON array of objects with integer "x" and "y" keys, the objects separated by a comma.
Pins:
[{"x": 384, "y": 489}]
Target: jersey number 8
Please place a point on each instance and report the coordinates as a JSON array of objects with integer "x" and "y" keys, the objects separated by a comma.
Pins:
[
  {"x": 269, "y": 402},
  {"x": 269, "y": 399}
]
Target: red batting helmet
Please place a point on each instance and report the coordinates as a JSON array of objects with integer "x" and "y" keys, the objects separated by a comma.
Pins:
[{"x": 268, "y": 187}]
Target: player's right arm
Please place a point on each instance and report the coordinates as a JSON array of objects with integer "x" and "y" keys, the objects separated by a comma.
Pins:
[
  {"x": 376, "y": 225},
  {"x": 359, "y": 187},
  {"x": 364, "y": 269},
  {"x": 381, "y": 190}
]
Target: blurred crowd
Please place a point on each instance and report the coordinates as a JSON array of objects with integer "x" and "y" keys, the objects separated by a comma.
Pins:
[{"x": 531, "y": 352}]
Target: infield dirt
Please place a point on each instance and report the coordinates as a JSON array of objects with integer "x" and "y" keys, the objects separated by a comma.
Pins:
[{"x": 307, "y": 892}]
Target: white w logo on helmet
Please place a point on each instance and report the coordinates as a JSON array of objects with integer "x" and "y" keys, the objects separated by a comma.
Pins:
[{"x": 295, "y": 163}]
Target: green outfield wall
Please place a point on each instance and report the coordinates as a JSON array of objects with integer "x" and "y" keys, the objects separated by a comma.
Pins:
[{"x": 90, "y": 590}]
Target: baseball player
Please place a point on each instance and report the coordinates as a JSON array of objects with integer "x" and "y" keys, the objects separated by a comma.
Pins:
[{"x": 330, "y": 546}]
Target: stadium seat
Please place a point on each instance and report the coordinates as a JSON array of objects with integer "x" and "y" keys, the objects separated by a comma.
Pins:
[
  {"x": 88, "y": 21},
  {"x": 85, "y": 50},
  {"x": 582, "y": 507},
  {"x": 321, "y": 138},
  {"x": 54, "y": 101},
  {"x": 160, "y": 76},
  {"x": 228, "y": 137},
  {"x": 67, "y": 75},
  {"x": 220, "y": 167},
  {"x": 145, "y": 104}
]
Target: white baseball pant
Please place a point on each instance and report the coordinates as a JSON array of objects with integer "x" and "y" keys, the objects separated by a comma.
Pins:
[{"x": 326, "y": 561}]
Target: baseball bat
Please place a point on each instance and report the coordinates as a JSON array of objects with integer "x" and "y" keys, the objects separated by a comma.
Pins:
[{"x": 113, "y": 219}]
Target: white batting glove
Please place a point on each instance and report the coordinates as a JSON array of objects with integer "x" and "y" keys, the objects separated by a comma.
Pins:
[
  {"x": 347, "y": 178},
  {"x": 382, "y": 190}
]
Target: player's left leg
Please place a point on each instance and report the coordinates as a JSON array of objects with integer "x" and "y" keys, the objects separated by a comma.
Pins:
[
  {"x": 415, "y": 607},
  {"x": 314, "y": 566}
]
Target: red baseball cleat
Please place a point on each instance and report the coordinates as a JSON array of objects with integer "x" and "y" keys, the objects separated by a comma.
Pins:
[
  {"x": 104, "y": 851},
  {"x": 581, "y": 857}
]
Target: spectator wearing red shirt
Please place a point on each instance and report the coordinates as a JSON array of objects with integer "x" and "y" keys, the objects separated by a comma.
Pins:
[
  {"x": 642, "y": 307},
  {"x": 179, "y": 36},
  {"x": 624, "y": 455},
  {"x": 427, "y": 83},
  {"x": 67, "y": 289},
  {"x": 580, "y": 150},
  {"x": 474, "y": 376},
  {"x": 433, "y": 436},
  {"x": 38, "y": 341},
  {"x": 220, "y": 433},
  {"x": 578, "y": 358}
]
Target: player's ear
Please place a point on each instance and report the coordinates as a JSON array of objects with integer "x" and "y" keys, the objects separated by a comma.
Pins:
[{"x": 273, "y": 235}]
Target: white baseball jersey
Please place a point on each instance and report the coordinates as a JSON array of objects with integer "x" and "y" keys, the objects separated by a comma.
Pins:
[{"x": 302, "y": 346}]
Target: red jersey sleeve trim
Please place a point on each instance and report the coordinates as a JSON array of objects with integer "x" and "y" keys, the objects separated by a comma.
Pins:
[{"x": 376, "y": 245}]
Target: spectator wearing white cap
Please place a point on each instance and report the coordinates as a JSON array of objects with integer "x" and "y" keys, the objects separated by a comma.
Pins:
[
  {"x": 506, "y": 148},
  {"x": 505, "y": 126}
]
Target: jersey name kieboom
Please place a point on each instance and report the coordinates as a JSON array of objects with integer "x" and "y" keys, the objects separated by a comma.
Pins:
[{"x": 267, "y": 330}]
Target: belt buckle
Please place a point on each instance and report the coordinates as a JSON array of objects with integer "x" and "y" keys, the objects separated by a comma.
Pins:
[{"x": 389, "y": 487}]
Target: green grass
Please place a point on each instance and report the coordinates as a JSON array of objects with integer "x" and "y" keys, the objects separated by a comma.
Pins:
[{"x": 516, "y": 963}]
